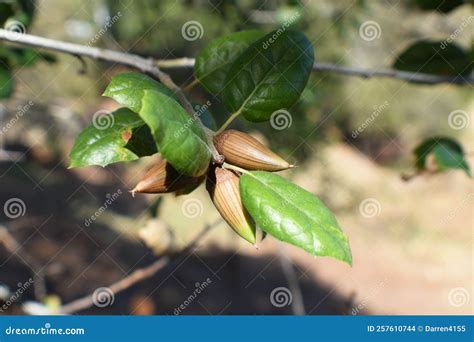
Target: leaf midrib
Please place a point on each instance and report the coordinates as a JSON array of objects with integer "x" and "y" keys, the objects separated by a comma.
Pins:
[{"x": 297, "y": 208}]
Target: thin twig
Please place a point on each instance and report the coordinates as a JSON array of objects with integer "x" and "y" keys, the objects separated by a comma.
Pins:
[
  {"x": 348, "y": 71},
  {"x": 123, "y": 284},
  {"x": 137, "y": 275},
  {"x": 12, "y": 245},
  {"x": 146, "y": 65}
]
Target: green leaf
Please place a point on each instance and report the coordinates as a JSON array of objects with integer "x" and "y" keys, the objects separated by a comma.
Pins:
[
  {"x": 18, "y": 56},
  {"x": 214, "y": 61},
  {"x": 447, "y": 153},
  {"x": 6, "y": 80},
  {"x": 129, "y": 88},
  {"x": 116, "y": 137},
  {"x": 181, "y": 140},
  {"x": 293, "y": 215},
  {"x": 437, "y": 5},
  {"x": 440, "y": 58},
  {"x": 269, "y": 75}
]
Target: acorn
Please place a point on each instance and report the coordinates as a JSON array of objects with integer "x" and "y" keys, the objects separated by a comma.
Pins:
[
  {"x": 223, "y": 187},
  {"x": 241, "y": 149},
  {"x": 163, "y": 178}
]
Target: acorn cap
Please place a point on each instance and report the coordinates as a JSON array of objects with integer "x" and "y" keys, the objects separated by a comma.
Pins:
[
  {"x": 223, "y": 187},
  {"x": 243, "y": 150},
  {"x": 163, "y": 178}
]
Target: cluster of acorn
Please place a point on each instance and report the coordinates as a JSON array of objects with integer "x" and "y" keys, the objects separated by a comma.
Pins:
[{"x": 239, "y": 149}]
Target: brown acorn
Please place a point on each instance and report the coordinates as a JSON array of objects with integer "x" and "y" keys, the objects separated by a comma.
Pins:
[
  {"x": 223, "y": 187},
  {"x": 241, "y": 149},
  {"x": 163, "y": 178}
]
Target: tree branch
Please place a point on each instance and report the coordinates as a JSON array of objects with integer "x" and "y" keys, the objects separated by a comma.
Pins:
[
  {"x": 348, "y": 71},
  {"x": 137, "y": 275},
  {"x": 146, "y": 65}
]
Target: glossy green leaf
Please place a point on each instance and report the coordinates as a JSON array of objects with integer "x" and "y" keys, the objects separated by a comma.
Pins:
[
  {"x": 214, "y": 61},
  {"x": 447, "y": 153},
  {"x": 294, "y": 215},
  {"x": 181, "y": 140},
  {"x": 440, "y": 58},
  {"x": 443, "y": 6},
  {"x": 115, "y": 137},
  {"x": 269, "y": 75},
  {"x": 129, "y": 88},
  {"x": 6, "y": 80}
]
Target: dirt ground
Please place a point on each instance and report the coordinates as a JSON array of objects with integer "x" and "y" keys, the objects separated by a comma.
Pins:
[{"x": 411, "y": 243}]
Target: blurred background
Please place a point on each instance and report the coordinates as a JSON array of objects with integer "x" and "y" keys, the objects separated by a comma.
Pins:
[{"x": 352, "y": 139}]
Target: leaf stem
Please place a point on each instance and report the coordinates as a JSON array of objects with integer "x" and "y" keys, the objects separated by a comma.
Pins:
[
  {"x": 190, "y": 86},
  {"x": 235, "y": 168},
  {"x": 228, "y": 122}
]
